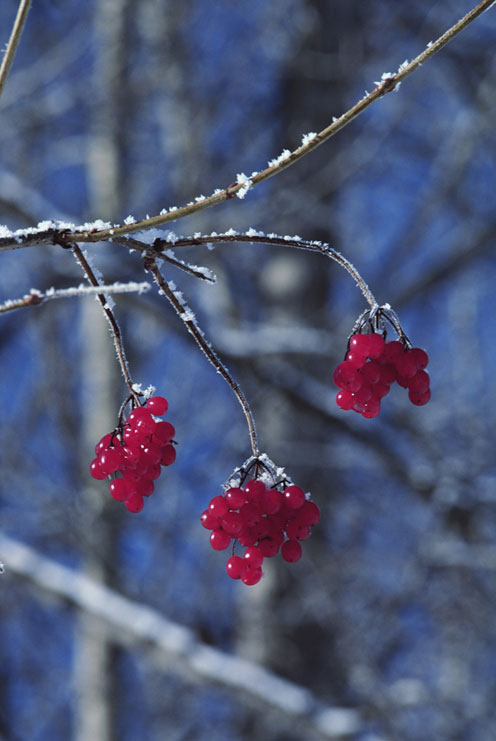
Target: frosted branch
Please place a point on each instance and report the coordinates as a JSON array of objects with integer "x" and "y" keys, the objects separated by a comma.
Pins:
[
  {"x": 107, "y": 310},
  {"x": 274, "y": 239},
  {"x": 104, "y": 232},
  {"x": 129, "y": 621},
  {"x": 177, "y": 301},
  {"x": 35, "y": 297}
]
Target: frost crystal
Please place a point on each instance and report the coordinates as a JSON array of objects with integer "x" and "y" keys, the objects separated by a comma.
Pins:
[
  {"x": 285, "y": 154},
  {"x": 245, "y": 183},
  {"x": 307, "y": 138}
]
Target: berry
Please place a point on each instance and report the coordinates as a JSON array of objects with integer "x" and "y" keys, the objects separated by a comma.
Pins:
[
  {"x": 344, "y": 399},
  {"x": 291, "y": 551},
  {"x": 406, "y": 365},
  {"x": 309, "y": 514},
  {"x": 96, "y": 470},
  {"x": 419, "y": 398},
  {"x": 233, "y": 523},
  {"x": 120, "y": 489},
  {"x": 219, "y": 540},
  {"x": 218, "y": 507},
  {"x": 420, "y": 382},
  {"x": 235, "y": 567},
  {"x": 208, "y": 521},
  {"x": 254, "y": 557},
  {"x": 157, "y": 405},
  {"x": 235, "y": 498},
  {"x": 168, "y": 455},
  {"x": 272, "y": 501},
  {"x": 252, "y": 576},
  {"x": 421, "y": 357},
  {"x": 346, "y": 376},
  {"x": 134, "y": 503},
  {"x": 294, "y": 497}
]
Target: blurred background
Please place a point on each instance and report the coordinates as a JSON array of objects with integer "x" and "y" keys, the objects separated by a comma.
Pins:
[{"x": 119, "y": 107}]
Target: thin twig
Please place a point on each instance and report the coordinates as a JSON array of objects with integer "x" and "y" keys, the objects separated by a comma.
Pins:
[
  {"x": 193, "y": 328},
  {"x": 116, "y": 332},
  {"x": 197, "y": 271},
  {"x": 387, "y": 84},
  {"x": 303, "y": 244},
  {"x": 15, "y": 37}
]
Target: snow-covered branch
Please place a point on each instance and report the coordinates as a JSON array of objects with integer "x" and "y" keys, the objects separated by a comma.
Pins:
[
  {"x": 131, "y": 621},
  {"x": 35, "y": 297}
]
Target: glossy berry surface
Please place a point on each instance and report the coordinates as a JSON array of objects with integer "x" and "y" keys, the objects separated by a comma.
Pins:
[
  {"x": 135, "y": 454},
  {"x": 371, "y": 367},
  {"x": 263, "y": 519}
]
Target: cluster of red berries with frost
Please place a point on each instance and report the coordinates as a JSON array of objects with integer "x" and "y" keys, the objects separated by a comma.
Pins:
[
  {"x": 137, "y": 449},
  {"x": 265, "y": 514},
  {"x": 372, "y": 365}
]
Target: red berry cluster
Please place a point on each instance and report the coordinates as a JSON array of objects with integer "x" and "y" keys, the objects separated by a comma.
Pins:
[
  {"x": 264, "y": 520},
  {"x": 372, "y": 366},
  {"x": 136, "y": 449}
]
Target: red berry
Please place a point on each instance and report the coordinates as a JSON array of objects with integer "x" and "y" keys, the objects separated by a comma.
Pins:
[
  {"x": 235, "y": 567},
  {"x": 372, "y": 408},
  {"x": 218, "y": 507},
  {"x": 294, "y": 497},
  {"x": 248, "y": 537},
  {"x": 110, "y": 460},
  {"x": 250, "y": 514},
  {"x": 138, "y": 413},
  {"x": 157, "y": 405},
  {"x": 134, "y": 503},
  {"x": 388, "y": 373},
  {"x": 145, "y": 425},
  {"x": 235, "y": 497},
  {"x": 359, "y": 345},
  {"x": 219, "y": 540},
  {"x": 151, "y": 454},
  {"x": 364, "y": 393},
  {"x": 419, "y": 398},
  {"x": 145, "y": 487},
  {"x": 271, "y": 501},
  {"x": 233, "y": 523},
  {"x": 420, "y": 356},
  {"x": 309, "y": 514},
  {"x": 291, "y": 551},
  {"x": 96, "y": 470},
  {"x": 168, "y": 455},
  {"x": 375, "y": 345},
  {"x": 120, "y": 489},
  {"x": 344, "y": 399},
  {"x": 347, "y": 377},
  {"x": 296, "y": 531},
  {"x": 163, "y": 432},
  {"x": 208, "y": 521},
  {"x": 254, "y": 557},
  {"x": 392, "y": 351},
  {"x": 269, "y": 547},
  {"x": 406, "y": 365},
  {"x": 371, "y": 371},
  {"x": 252, "y": 576},
  {"x": 254, "y": 491},
  {"x": 104, "y": 443},
  {"x": 420, "y": 382},
  {"x": 356, "y": 358}
]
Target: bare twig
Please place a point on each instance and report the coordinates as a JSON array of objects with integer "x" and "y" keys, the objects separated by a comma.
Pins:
[
  {"x": 15, "y": 37},
  {"x": 192, "y": 326},
  {"x": 116, "y": 332},
  {"x": 196, "y": 270}
]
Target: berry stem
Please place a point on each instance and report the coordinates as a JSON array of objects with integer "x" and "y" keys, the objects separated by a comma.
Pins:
[
  {"x": 302, "y": 244},
  {"x": 116, "y": 332},
  {"x": 192, "y": 326}
]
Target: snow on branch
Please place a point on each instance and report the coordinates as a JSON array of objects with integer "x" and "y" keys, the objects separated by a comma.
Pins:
[
  {"x": 131, "y": 621},
  {"x": 100, "y": 231},
  {"x": 35, "y": 297}
]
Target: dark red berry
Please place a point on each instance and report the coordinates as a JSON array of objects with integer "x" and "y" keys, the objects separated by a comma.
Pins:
[
  {"x": 309, "y": 514},
  {"x": 235, "y": 497},
  {"x": 271, "y": 501},
  {"x": 232, "y": 523},
  {"x": 96, "y": 470},
  {"x": 254, "y": 557},
  {"x": 294, "y": 497},
  {"x": 208, "y": 521},
  {"x": 168, "y": 455},
  {"x": 420, "y": 382},
  {"x": 420, "y": 356},
  {"x": 218, "y": 507},
  {"x": 419, "y": 398},
  {"x": 344, "y": 399},
  {"x": 406, "y": 365},
  {"x": 134, "y": 503},
  {"x": 291, "y": 551},
  {"x": 120, "y": 489},
  {"x": 252, "y": 576},
  {"x": 346, "y": 376}
]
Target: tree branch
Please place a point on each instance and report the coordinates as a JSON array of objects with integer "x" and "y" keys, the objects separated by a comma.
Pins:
[
  {"x": 15, "y": 37},
  {"x": 129, "y": 620}
]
